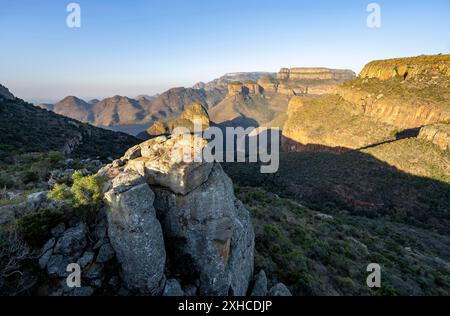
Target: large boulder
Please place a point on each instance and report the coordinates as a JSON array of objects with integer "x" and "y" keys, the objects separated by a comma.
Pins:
[
  {"x": 209, "y": 235},
  {"x": 135, "y": 233},
  {"x": 170, "y": 162},
  {"x": 176, "y": 216}
]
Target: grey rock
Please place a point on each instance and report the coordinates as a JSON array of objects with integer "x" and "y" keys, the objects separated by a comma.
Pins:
[
  {"x": 260, "y": 285},
  {"x": 37, "y": 198},
  {"x": 100, "y": 243},
  {"x": 136, "y": 236},
  {"x": 60, "y": 177},
  {"x": 279, "y": 290},
  {"x": 132, "y": 153},
  {"x": 72, "y": 242},
  {"x": 57, "y": 266},
  {"x": 96, "y": 283},
  {"x": 58, "y": 230},
  {"x": 100, "y": 231},
  {"x": 163, "y": 163},
  {"x": 44, "y": 259},
  {"x": 117, "y": 163},
  {"x": 214, "y": 234},
  {"x": 86, "y": 259},
  {"x": 114, "y": 281},
  {"x": 48, "y": 245},
  {"x": 190, "y": 290},
  {"x": 173, "y": 288},
  {"x": 94, "y": 271},
  {"x": 105, "y": 253}
]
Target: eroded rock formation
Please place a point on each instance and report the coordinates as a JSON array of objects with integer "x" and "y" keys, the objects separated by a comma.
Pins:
[{"x": 177, "y": 216}]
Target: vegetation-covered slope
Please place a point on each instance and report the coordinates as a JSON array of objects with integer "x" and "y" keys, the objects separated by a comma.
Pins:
[{"x": 25, "y": 128}]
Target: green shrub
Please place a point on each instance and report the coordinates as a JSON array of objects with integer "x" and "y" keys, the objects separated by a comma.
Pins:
[
  {"x": 54, "y": 157},
  {"x": 29, "y": 176},
  {"x": 60, "y": 192},
  {"x": 87, "y": 191},
  {"x": 5, "y": 182},
  {"x": 35, "y": 227}
]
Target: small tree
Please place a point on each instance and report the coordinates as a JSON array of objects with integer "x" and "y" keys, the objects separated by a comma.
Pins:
[
  {"x": 60, "y": 192},
  {"x": 87, "y": 191}
]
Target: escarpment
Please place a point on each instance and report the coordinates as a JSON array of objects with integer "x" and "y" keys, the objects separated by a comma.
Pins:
[
  {"x": 407, "y": 68},
  {"x": 171, "y": 216},
  {"x": 397, "y": 110}
]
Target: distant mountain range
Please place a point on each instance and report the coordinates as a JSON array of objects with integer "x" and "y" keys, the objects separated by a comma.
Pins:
[
  {"x": 268, "y": 95},
  {"x": 119, "y": 111}
]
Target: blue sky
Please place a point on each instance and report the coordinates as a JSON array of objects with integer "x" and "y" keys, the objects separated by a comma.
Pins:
[{"x": 146, "y": 46}]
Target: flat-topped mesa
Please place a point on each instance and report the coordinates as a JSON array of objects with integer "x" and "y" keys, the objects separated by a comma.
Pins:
[
  {"x": 315, "y": 74},
  {"x": 5, "y": 94},
  {"x": 407, "y": 68},
  {"x": 244, "y": 88}
]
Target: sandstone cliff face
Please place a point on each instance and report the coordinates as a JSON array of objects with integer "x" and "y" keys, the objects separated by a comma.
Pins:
[
  {"x": 315, "y": 74},
  {"x": 380, "y": 113},
  {"x": 200, "y": 232},
  {"x": 407, "y": 68},
  {"x": 223, "y": 82},
  {"x": 268, "y": 84},
  {"x": 311, "y": 81},
  {"x": 395, "y": 110}
]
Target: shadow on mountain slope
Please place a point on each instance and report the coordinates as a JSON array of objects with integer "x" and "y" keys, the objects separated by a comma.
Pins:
[{"x": 343, "y": 181}]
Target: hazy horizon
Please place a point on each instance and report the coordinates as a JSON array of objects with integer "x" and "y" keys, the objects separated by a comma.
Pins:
[{"x": 147, "y": 47}]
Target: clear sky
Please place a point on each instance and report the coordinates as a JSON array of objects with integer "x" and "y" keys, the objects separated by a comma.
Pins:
[{"x": 146, "y": 46}]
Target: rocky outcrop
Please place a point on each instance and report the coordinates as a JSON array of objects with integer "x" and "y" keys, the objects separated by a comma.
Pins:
[
  {"x": 251, "y": 87},
  {"x": 315, "y": 74},
  {"x": 438, "y": 134},
  {"x": 394, "y": 109},
  {"x": 407, "y": 68},
  {"x": 223, "y": 82},
  {"x": 194, "y": 113},
  {"x": 295, "y": 103},
  {"x": 268, "y": 84},
  {"x": 136, "y": 234},
  {"x": 84, "y": 245},
  {"x": 200, "y": 233},
  {"x": 235, "y": 88}
]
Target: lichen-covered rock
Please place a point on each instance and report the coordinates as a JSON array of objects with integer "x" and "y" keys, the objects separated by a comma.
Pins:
[
  {"x": 72, "y": 242},
  {"x": 260, "y": 285},
  {"x": 170, "y": 162},
  {"x": 173, "y": 288},
  {"x": 279, "y": 290},
  {"x": 136, "y": 234},
  {"x": 210, "y": 234}
]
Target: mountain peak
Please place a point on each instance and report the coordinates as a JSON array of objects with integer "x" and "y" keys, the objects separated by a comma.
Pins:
[{"x": 5, "y": 94}]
